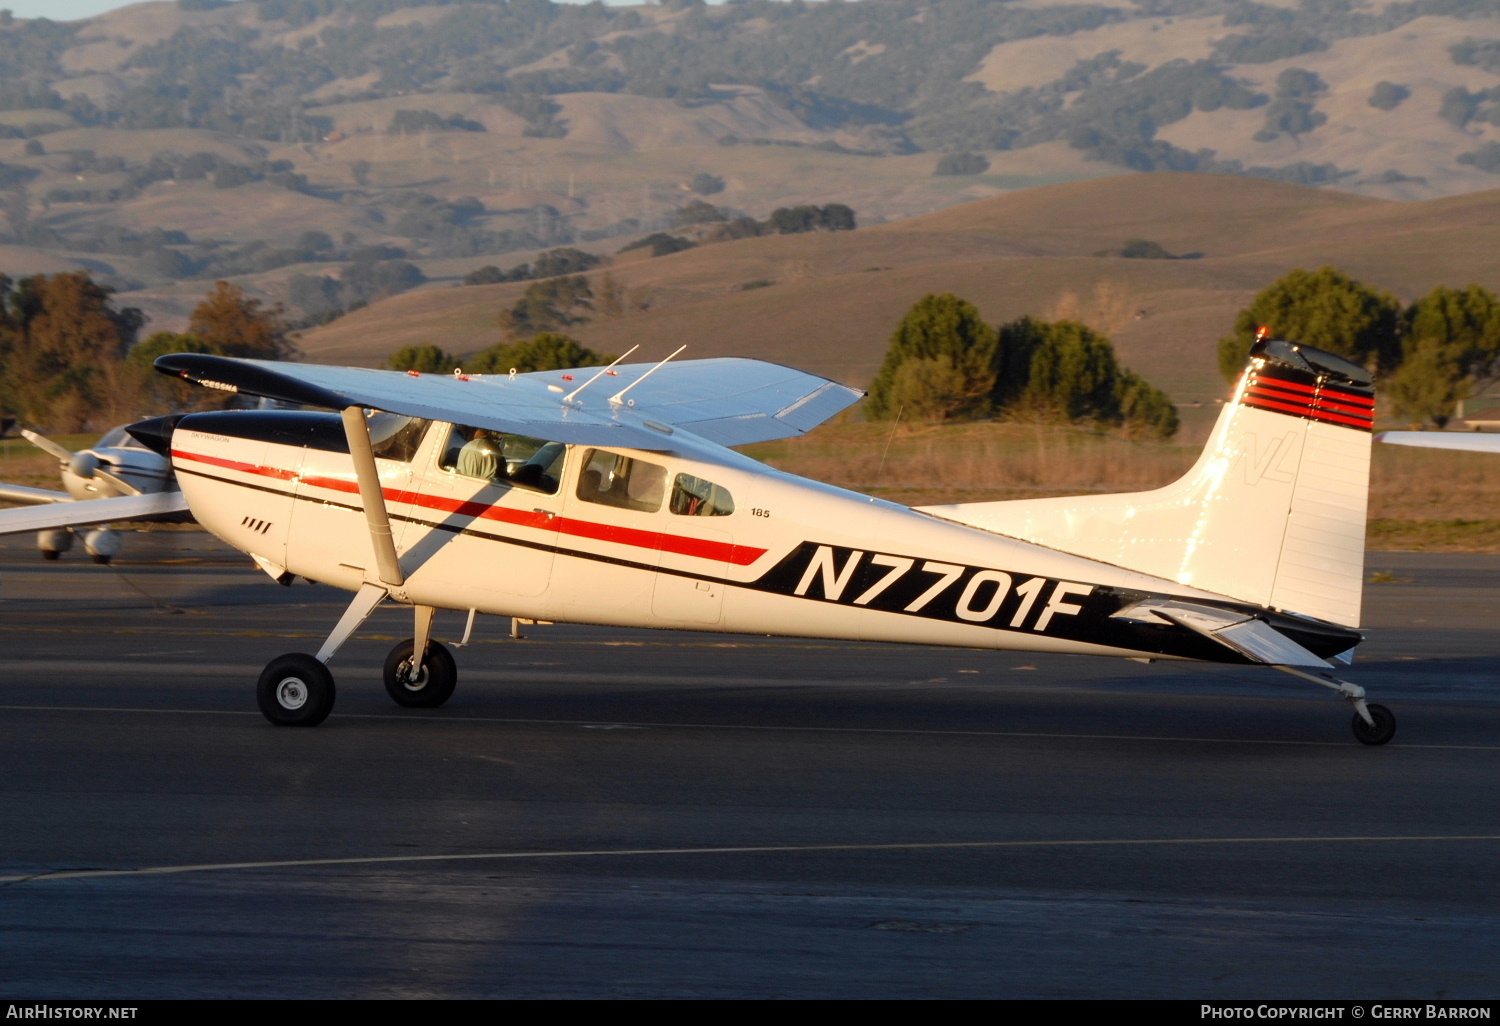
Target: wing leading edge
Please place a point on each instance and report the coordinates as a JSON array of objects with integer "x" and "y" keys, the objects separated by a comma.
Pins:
[{"x": 729, "y": 401}]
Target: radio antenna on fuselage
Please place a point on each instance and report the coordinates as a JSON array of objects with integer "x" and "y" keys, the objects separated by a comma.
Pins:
[
  {"x": 618, "y": 399},
  {"x": 569, "y": 397}
]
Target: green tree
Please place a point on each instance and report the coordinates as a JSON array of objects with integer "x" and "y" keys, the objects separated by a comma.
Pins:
[
  {"x": 1429, "y": 384},
  {"x": 546, "y": 351},
  {"x": 1451, "y": 351},
  {"x": 1019, "y": 342},
  {"x": 235, "y": 324},
  {"x": 1074, "y": 376},
  {"x": 426, "y": 359},
  {"x": 61, "y": 350},
  {"x": 1323, "y": 308},
  {"x": 959, "y": 362},
  {"x": 145, "y": 352},
  {"x": 548, "y": 305},
  {"x": 158, "y": 391},
  {"x": 1145, "y": 410}
]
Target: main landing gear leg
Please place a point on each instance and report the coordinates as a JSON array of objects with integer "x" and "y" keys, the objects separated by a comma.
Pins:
[
  {"x": 1374, "y": 724},
  {"x": 296, "y": 690},
  {"x": 420, "y": 673}
]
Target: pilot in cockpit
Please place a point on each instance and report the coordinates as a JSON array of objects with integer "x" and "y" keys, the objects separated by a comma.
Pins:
[{"x": 483, "y": 455}]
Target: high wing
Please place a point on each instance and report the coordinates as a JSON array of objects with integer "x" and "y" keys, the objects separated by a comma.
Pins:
[
  {"x": 92, "y": 511},
  {"x": 727, "y": 401},
  {"x": 1465, "y": 441},
  {"x": 32, "y": 496}
]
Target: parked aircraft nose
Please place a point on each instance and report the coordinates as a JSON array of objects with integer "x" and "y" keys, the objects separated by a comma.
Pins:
[{"x": 84, "y": 464}]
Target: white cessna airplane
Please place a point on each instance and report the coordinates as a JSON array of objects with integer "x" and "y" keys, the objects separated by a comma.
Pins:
[
  {"x": 117, "y": 481},
  {"x": 612, "y": 497}
]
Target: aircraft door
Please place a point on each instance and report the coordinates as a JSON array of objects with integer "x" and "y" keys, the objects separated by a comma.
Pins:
[
  {"x": 484, "y": 516},
  {"x": 695, "y": 542},
  {"x": 332, "y": 541}
]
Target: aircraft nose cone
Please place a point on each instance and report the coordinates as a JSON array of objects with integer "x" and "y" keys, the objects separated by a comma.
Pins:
[
  {"x": 156, "y": 433},
  {"x": 84, "y": 464}
]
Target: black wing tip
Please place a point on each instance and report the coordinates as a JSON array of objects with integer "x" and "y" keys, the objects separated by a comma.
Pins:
[{"x": 230, "y": 375}]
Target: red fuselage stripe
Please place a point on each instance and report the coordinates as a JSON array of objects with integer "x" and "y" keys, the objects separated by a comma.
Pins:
[{"x": 700, "y": 548}]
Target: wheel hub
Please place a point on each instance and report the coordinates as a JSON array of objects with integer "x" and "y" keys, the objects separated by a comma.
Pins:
[
  {"x": 291, "y": 693},
  {"x": 411, "y": 679}
]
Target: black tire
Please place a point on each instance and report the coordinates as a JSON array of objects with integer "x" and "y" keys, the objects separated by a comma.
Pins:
[
  {"x": 429, "y": 690},
  {"x": 295, "y": 690},
  {"x": 1383, "y": 730},
  {"x": 100, "y": 558},
  {"x": 51, "y": 554}
]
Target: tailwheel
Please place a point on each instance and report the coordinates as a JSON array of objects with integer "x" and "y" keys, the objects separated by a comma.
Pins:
[
  {"x": 295, "y": 690},
  {"x": 424, "y": 687},
  {"x": 1379, "y": 732}
]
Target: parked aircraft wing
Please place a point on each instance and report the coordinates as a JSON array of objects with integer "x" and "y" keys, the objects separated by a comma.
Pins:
[
  {"x": 32, "y": 496},
  {"x": 1467, "y": 441},
  {"x": 92, "y": 511},
  {"x": 729, "y": 401}
]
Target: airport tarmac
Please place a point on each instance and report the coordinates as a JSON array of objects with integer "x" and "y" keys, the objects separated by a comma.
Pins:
[{"x": 613, "y": 813}]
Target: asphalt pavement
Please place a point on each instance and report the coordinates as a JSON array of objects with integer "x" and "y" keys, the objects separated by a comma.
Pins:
[{"x": 612, "y": 813}]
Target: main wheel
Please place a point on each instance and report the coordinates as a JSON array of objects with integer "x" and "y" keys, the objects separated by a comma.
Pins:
[
  {"x": 295, "y": 690},
  {"x": 1383, "y": 730},
  {"x": 425, "y": 688}
]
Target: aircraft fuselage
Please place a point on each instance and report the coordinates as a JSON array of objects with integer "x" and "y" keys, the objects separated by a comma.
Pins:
[{"x": 790, "y": 556}]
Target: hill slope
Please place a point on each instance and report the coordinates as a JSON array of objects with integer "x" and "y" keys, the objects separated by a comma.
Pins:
[
  {"x": 167, "y": 144},
  {"x": 835, "y": 298}
]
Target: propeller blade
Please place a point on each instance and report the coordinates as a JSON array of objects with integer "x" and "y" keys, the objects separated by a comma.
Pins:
[
  {"x": 124, "y": 487},
  {"x": 47, "y": 445}
]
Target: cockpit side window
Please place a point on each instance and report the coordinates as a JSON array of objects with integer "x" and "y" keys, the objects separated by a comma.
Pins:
[
  {"x": 695, "y": 497},
  {"x": 622, "y": 481},
  {"x": 504, "y": 458},
  {"x": 394, "y": 437}
]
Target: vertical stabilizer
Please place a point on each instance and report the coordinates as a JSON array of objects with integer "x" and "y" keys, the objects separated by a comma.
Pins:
[{"x": 1272, "y": 513}]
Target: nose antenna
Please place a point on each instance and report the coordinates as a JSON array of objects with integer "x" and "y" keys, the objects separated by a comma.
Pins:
[
  {"x": 619, "y": 397},
  {"x": 570, "y": 396}
]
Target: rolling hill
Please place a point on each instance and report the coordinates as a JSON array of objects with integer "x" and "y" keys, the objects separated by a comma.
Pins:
[
  {"x": 169, "y": 143},
  {"x": 834, "y": 298}
]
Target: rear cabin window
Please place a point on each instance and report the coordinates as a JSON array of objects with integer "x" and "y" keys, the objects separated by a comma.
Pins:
[
  {"x": 622, "y": 481},
  {"x": 394, "y": 437},
  {"x": 695, "y": 497},
  {"x": 504, "y": 458}
]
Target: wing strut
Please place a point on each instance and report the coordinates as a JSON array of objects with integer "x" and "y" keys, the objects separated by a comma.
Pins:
[{"x": 357, "y": 430}]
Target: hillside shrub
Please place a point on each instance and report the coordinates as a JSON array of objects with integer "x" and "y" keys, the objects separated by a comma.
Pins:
[
  {"x": 1388, "y": 95},
  {"x": 962, "y": 164}
]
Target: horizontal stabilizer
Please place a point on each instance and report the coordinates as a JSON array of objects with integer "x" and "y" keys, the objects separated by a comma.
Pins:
[
  {"x": 1464, "y": 441},
  {"x": 92, "y": 511},
  {"x": 728, "y": 401},
  {"x": 32, "y": 496},
  {"x": 1252, "y": 638}
]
